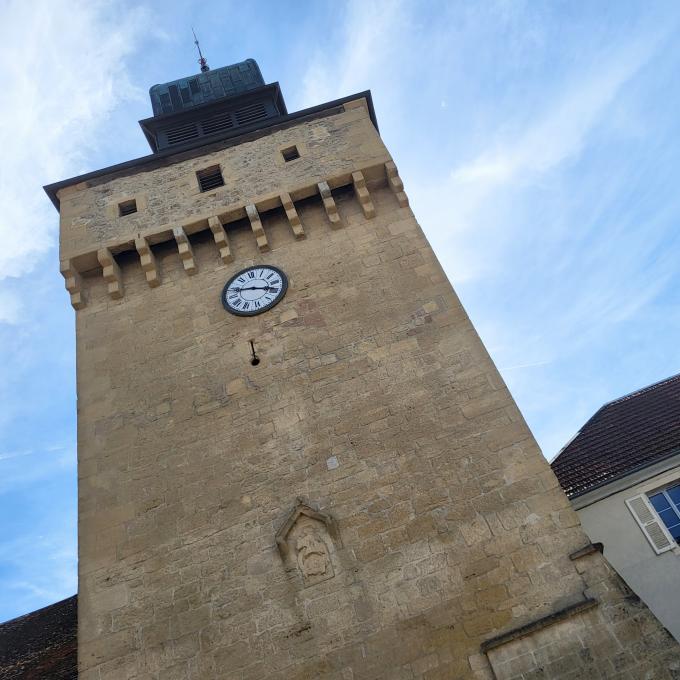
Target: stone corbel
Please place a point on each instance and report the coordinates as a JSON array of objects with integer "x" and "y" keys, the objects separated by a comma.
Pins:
[
  {"x": 329, "y": 205},
  {"x": 396, "y": 184},
  {"x": 363, "y": 196},
  {"x": 148, "y": 261},
  {"x": 221, "y": 240},
  {"x": 186, "y": 252},
  {"x": 256, "y": 226},
  {"x": 111, "y": 273},
  {"x": 293, "y": 217},
  {"x": 73, "y": 282}
]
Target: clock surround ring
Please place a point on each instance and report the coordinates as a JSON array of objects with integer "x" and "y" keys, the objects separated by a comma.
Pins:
[{"x": 254, "y": 312}]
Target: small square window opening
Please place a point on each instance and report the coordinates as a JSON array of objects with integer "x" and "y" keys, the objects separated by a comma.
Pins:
[
  {"x": 210, "y": 178},
  {"x": 290, "y": 154},
  {"x": 127, "y": 207}
]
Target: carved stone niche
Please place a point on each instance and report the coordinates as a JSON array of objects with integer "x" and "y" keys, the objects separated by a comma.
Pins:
[{"x": 307, "y": 542}]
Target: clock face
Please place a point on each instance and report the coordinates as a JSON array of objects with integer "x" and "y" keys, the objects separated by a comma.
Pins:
[{"x": 254, "y": 290}]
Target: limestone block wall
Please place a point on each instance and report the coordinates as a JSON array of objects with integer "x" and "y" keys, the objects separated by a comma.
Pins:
[{"x": 366, "y": 502}]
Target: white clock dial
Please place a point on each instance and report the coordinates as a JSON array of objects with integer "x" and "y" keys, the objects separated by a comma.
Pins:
[{"x": 254, "y": 290}]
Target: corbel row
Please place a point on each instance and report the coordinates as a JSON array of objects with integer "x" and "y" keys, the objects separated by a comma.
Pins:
[{"x": 111, "y": 270}]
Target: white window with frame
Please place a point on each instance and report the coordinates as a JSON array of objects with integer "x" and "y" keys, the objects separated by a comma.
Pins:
[{"x": 658, "y": 514}]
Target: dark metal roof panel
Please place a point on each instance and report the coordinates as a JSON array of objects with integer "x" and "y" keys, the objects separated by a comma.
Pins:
[{"x": 202, "y": 88}]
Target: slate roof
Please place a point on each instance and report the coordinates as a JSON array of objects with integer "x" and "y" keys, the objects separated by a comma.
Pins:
[
  {"x": 625, "y": 435},
  {"x": 41, "y": 645}
]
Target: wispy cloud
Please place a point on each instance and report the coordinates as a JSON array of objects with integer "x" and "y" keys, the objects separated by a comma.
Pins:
[
  {"x": 38, "y": 569},
  {"x": 16, "y": 473},
  {"x": 63, "y": 70},
  {"x": 558, "y": 133},
  {"x": 369, "y": 36},
  {"x": 489, "y": 191},
  {"x": 533, "y": 364}
]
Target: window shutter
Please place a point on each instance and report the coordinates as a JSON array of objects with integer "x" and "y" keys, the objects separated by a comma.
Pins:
[{"x": 650, "y": 523}]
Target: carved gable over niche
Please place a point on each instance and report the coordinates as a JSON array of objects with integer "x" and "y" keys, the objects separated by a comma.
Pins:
[{"x": 307, "y": 541}]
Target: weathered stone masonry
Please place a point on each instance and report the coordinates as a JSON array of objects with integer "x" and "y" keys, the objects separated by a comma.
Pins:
[{"x": 367, "y": 502}]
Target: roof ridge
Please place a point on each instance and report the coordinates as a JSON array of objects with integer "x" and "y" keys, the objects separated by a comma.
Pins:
[
  {"x": 641, "y": 390},
  {"x": 35, "y": 612},
  {"x": 623, "y": 435},
  {"x": 625, "y": 397}
]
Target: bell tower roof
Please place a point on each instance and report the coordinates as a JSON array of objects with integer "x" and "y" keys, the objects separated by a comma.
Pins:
[
  {"x": 211, "y": 105},
  {"x": 208, "y": 86}
]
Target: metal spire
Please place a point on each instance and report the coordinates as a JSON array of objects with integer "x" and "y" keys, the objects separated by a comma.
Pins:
[{"x": 202, "y": 61}]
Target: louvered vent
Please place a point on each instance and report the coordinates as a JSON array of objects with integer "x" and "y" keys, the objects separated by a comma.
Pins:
[
  {"x": 127, "y": 207},
  {"x": 210, "y": 178},
  {"x": 206, "y": 122},
  {"x": 182, "y": 133},
  {"x": 217, "y": 123},
  {"x": 249, "y": 114}
]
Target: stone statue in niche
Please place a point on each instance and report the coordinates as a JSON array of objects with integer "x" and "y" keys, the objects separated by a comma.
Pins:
[
  {"x": 312, "y": 556},
  {"x": 307, "y": 541}
]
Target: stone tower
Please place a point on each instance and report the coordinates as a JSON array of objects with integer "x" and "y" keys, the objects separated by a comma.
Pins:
[{"x": 334, "y": 483}]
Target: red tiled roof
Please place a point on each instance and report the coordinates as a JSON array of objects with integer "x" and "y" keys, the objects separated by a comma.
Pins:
[
  {"x": 42, "y": 644},
  {"x": 625, "y": 435}
]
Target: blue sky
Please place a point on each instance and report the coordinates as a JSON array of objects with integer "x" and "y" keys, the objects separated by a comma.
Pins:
[{"x": 539, "y": 144}]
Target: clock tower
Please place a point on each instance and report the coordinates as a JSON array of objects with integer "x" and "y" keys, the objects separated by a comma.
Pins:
[{"x": 296, "y": 459}]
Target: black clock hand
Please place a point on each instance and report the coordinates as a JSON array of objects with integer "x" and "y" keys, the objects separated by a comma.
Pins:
[{"x": 254, "y": 288}]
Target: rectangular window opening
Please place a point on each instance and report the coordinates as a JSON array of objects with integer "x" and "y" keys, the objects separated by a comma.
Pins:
[
  {"x": 210, "y": 178},
  {"x": 667, "y": 505},
  {"x": 290, "y": 154},
  {"x": 127, "y": 207}
]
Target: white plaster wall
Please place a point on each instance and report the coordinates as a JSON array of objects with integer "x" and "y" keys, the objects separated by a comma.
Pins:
[{"x": 655, "y": 578}]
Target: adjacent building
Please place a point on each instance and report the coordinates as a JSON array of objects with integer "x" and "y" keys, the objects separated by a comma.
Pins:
[
  {"x": 41, "y": 645},
  {"x": 622, "y": 475}
]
